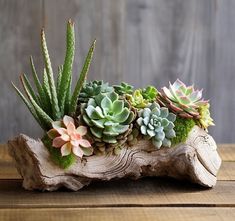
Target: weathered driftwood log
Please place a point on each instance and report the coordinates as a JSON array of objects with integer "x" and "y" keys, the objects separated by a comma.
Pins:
[{"x": 196, "y": 160}]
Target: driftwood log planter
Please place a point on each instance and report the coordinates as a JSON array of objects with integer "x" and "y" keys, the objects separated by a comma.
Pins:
[{"x": 195, "y": 160}]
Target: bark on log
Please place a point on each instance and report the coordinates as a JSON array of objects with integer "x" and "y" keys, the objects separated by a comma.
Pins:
[{"x": 195, "y": 160}]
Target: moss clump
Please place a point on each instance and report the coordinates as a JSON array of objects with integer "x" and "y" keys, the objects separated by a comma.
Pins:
[
  {"x": 62, "y": 161},
  {"x": 182, "y": 128}
]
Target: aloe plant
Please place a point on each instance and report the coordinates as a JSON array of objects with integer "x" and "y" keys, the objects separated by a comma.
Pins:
[{"x": 53, "y": 98}]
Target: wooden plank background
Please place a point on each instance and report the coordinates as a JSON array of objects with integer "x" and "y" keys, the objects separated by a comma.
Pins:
[{"x": 138, "y": 41}]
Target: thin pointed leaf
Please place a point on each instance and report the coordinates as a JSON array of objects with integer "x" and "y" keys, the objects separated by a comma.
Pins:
[
  {"x": 30, "y": 107},
  {"x": 35, "y": 76},
  {"x": 58, "y": 81},
  {"x": 81, "y": 79},
  {"x": 65, "y": 83},
  {"x": 46, "y": 86},
  {"x": 30, "y": 89},
  {"x": 40, "y": 112},
  {"x": 45, "y": 100},
  {"x": 68, "y": 99},
  {"x": 54, "y": 100}
]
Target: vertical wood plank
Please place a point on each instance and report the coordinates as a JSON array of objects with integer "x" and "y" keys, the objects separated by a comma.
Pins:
[
  {"x": 19, "y": 36},
  {"x": 138, "y": 41},
  {"x": 100, "y": 19}
]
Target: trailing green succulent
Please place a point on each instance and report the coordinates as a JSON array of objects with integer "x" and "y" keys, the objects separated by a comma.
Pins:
[
  {"x": 205, "y": 119},
  {"x": 182, "y": 128},
  {"x": 157, "y": 123},
  {"x": 107, "y": 116},
  {"x": 150, "y": 93},
  {"x": 92, "y": 89},
  {"x": 182, "y": 100},
  {"x": 53, "y": 100},
  {"x": 137, "y": 100},
  {"x": 123, "y": 88}
]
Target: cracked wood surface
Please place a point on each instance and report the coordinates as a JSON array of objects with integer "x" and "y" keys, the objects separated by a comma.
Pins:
[
  {"x": 145, "y": 199},
  {"x": 195, "y": 160}
]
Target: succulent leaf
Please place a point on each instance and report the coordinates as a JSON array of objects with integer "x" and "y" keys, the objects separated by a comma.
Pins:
[
  {"x": 157, "y": 123},
  {"x": 150, "y": 93},
  {"x": 182, "y": 100},
  {"x": 54, "y": 100},
  {"x": 107, "y": 116},
  {"x": 137, "y": 100},
  {"x": 92, "y": 89},
  {"x": 123, "y": 88},
  {"x": 82, "y": 79},
  {"x": 205, "y": 120}
]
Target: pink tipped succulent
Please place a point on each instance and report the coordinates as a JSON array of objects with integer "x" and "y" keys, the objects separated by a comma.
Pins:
[
  {"x": 182, "y": 100},
  {"x": 69, "y": 138}
]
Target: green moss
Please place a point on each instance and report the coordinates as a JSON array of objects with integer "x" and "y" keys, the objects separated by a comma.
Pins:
[
  {"x": 62, "y": 161},
  {"x": 182, "y": 128}
]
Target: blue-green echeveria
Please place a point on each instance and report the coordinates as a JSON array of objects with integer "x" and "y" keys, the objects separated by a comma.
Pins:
[
  {"x": 107, "y": 117},
  {"x": 157, "y": 123}
]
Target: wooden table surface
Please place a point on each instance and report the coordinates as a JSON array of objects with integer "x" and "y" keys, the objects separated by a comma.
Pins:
[{"x": 145, "y": 199}]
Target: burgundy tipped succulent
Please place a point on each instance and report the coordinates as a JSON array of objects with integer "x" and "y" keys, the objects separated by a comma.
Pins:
[{"x": 182, "y": 100}]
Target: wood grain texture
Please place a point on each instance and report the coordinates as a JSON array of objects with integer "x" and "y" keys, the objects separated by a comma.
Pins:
[
  {"x": 226, "y": 172},
  {"x": 195, "y": 160},
  {"x": 155, "y": 192},
  {"x": 117, "y": 214},
  {"x": 138, "y": 41}
]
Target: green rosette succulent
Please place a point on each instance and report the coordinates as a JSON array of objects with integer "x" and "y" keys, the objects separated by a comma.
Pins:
[
  {"x": 157, "y": 123},
  {"x": 150, "y": 93},
  {"x": 137, "y": 100},
  {"x": 92, "y": 89},
  {"x": 107, "y": 116},
  {"x": 123, "y": 88}
]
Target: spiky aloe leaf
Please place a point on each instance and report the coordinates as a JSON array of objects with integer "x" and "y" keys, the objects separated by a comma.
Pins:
[
  {"x": 30, "y": 107},
  {"x": 58, "y": 81},
  {"x": 40, "y": 112},
  {"x": 54, "y": 100},
  {"x": 46, "y": 86},
  {"x": 31, "y": 91},
  {"x": 81, "y": 79},
  {"x": 68, "y": 99},
  {"x": 44, "y": 99},
  {"x": 65, "y": 83}
]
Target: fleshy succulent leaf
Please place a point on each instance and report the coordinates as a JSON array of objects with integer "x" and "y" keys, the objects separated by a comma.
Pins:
[
  {"x": 67, "y": 66},
  {"x": 81, "y": 80},
  {"x": 157, "y": 123},
  {"x": 54, "y": 101}
]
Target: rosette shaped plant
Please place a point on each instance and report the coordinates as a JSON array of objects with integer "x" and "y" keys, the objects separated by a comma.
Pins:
[
  {"x": 205, "y": 120},
  {"x": 69, "y": 138},
  {"x": 107, "y": 117},
  {"x": 182, "y": 100},
  {"x": 137, "y": 100},
  {"x": 157, "y": 123},
  {"x": 123, "y": 88},
  {"x": 149, "y": 93},
  {"x": 92, "y": 89}
]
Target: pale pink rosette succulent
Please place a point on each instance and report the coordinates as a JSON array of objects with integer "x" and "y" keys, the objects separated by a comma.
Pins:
[
  {"x": 69, "y": 138},
  {"x": 182, "y": 100}
]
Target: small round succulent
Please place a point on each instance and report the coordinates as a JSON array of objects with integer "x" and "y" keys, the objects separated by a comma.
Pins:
[
  {"x": 156, "y": 123},
  {"x": 123, "y": 88},
  {"x": 149, "y": 93},
  {"x": 92, "y": 89},
  {"x": 137, "y": 100},
  {"x": 182, "y": 100},
  {"x": 107, "y": 116},
  {"x": 205, "y": 119}
]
